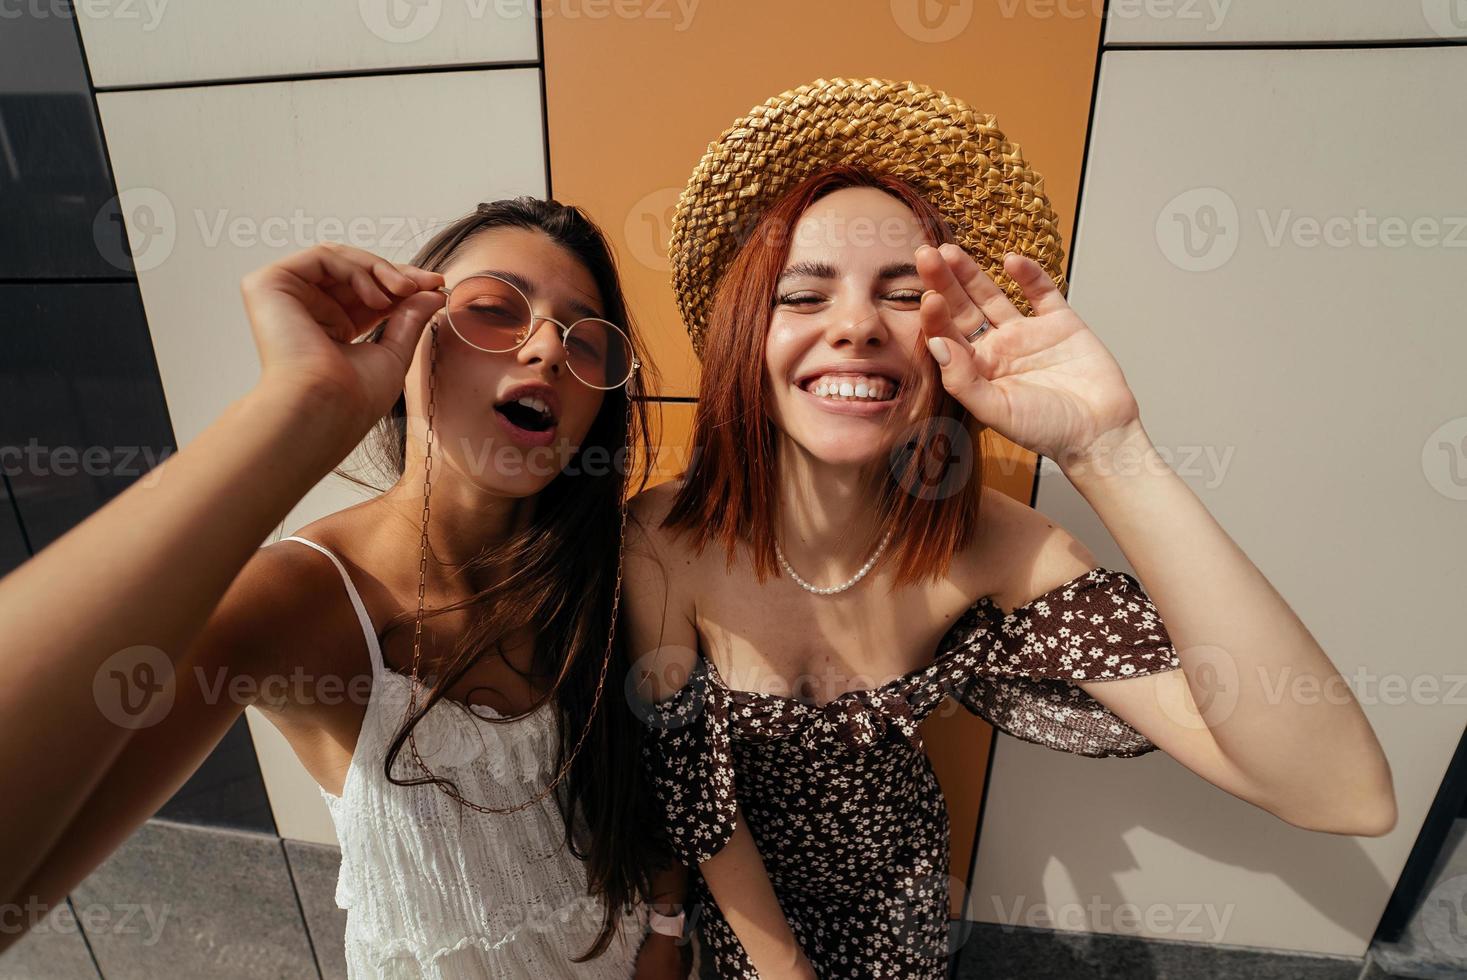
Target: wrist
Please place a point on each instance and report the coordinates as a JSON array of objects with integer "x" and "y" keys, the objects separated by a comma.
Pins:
[
  {"x": 317, "y": 416},
  {"x": 1117, "y": 454},
  {"x": 666, "y": 920}
]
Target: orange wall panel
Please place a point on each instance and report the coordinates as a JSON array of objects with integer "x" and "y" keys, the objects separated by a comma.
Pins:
[{"x": 672, "y": 440}]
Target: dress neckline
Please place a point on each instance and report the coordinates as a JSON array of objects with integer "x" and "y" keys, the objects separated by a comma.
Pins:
[
  {"x": 855, "y": 694},
  {"x": 481, "y": 712},
  {"x": 981, "y": 605},
  {"x": 901, "y": 680}
]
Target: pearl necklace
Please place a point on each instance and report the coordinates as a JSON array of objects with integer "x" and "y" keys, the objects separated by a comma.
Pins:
[{"x": 832, "y": 590}]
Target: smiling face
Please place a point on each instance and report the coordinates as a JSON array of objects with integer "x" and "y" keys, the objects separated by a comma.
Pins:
[
  {"x": 510, "y": 422},
  {"x": 844, "y": 331}
]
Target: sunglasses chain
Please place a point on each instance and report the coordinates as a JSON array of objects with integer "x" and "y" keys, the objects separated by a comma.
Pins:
[{"x": 422, "y": 593}]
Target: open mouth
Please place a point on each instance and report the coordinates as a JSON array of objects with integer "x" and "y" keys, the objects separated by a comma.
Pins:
[
  {"x": 845, "y": 387},
  {"x": 527, "y": 412}
]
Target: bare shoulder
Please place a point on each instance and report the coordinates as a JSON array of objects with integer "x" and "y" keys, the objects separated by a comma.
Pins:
[
  {"x": 1025, "y": 552},
  {"x": 286, "y": 609},
  {"x": 652, "y": 505},
  {"x": 661, "y": 576},
  {"x": 646, "y": 537}
]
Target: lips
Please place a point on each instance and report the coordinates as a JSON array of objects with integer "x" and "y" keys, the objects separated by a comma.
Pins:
[
  {"x": 862, "y": 407},
  {"x": 522, "y": 435},
  {"x": 529, "y": 413}
]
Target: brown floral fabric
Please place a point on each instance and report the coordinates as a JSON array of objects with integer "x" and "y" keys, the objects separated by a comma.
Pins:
[{"x": 841, "y": 798}]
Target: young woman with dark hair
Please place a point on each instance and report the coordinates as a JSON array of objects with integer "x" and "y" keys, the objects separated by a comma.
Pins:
[{"x": 484, "y": 780}]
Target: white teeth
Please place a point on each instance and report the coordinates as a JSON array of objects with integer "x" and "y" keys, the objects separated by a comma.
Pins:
[
  {"x": 529, "y": 401},
  {"x": 867, "y": 388}
]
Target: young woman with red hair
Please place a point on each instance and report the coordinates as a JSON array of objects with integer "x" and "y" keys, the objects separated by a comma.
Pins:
[{"x": 829, "y": 568}]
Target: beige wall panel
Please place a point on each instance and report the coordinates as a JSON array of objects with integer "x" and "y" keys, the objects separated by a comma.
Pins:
[
  {"x": 1265, "y": 21},
  {"x": 1285, "y": 298},
  {"x": 154, "y": 42}
]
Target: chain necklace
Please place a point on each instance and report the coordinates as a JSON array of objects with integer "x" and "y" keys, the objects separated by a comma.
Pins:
[
  {"x": 834, "y": 589},
  {"x": 422, "y": 592}
]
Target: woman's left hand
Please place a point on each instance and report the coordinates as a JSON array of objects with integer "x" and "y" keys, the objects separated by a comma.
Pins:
[{"x": 1045, "y": 382}]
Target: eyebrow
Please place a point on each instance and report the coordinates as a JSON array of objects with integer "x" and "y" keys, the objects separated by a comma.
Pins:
[
  {"x": 811, "y": 270},
  {"x": 897, "y": 270},
  {"x": 528, "y": 288},
  {"x": 824, "y": 270}
]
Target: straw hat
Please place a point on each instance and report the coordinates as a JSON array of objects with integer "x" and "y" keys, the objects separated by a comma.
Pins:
[{"x": 955, "y": 157}]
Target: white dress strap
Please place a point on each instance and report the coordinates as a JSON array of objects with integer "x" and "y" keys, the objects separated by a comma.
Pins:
[{"x": 374, "y": 649}]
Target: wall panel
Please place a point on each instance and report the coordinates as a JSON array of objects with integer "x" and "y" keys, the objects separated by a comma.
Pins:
[
  {"x": 155, "y": 42},
  {"x": 1272, "y": 22},
  {"x": 1286, "y": 303}
]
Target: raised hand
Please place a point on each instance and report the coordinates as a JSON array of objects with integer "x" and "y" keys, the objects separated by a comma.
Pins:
[
  {"x": 307, "y": 308},
  {"x": 1045, "y": 381}
]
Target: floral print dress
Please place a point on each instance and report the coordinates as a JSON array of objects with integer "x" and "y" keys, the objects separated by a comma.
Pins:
[{"x": 841, "y": 798}]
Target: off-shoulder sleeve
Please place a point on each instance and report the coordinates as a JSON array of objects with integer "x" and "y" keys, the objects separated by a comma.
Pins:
[
  {"x": 687, "y": 754},
  {"x": 1021, "y": 668}
]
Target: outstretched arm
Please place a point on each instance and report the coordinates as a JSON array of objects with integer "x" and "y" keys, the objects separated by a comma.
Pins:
[
  {"x": 148, "y": 568},
  {"x": 1047, "y": 383}
]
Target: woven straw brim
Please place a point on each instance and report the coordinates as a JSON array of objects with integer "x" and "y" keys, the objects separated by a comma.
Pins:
[{"x": 955, "y": 157}]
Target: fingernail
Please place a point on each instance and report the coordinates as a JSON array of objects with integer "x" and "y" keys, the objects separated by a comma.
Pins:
[{"x": 938, "y": 346}]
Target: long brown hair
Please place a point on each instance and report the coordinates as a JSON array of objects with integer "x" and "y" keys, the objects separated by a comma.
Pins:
[
  {"x": 729, "y": 493},
  {"x": 556, "y": 579}
]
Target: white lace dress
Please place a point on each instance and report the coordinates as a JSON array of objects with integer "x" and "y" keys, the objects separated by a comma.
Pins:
[{"x": 436, "y": 891}]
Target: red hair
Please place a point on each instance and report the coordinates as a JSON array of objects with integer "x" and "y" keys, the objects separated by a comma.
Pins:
[{"x": 729, "y": 491}]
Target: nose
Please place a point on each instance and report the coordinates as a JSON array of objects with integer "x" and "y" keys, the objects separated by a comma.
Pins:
[
  {"x": 857, "y": 325},
  {"x": 544, "y": 345}
]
